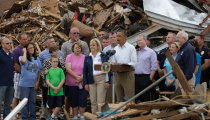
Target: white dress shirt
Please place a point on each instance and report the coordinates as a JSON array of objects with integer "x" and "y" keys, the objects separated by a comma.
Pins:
[
  {"x": 96, "y": 60},
  {"x": 125, "y": 54}
]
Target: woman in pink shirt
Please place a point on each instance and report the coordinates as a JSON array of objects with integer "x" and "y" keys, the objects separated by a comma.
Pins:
[{"x": 74, "y": 80}]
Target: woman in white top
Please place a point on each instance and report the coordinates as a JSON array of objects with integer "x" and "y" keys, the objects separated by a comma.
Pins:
[{"x": 95, "y": 81}]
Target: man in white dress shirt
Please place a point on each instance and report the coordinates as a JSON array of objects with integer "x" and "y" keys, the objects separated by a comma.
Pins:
[{"x": 125, "y": 54}]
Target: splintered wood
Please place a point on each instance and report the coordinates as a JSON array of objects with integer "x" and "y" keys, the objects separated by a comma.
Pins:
[
  {"x": 165, "y": 110},
  {"x": 38, "y": 18}
]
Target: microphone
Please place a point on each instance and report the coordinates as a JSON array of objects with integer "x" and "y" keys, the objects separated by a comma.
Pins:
[{"x": 110, "y": 53}]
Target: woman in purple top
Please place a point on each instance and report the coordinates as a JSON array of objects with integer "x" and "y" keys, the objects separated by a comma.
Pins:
[{"x": 74, "y": 80}]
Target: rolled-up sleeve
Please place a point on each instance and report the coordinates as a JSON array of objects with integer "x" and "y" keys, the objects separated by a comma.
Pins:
[
  {"x": 133, "y": 57},
  {"x": 153, "y": 61}
]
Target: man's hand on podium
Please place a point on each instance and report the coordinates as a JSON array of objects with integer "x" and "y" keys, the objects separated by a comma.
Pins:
[{"x": 114, "y": 63}]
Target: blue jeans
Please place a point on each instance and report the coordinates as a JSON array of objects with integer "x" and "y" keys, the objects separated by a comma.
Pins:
[
  {"x": 30, "y": 93},
  {"x": 6, "y": 94}
]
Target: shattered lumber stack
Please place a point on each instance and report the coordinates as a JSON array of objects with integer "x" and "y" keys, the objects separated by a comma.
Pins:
[
  {"x": 165, "y": 110},
  {"x": 39, "y": 21},
  {"x": 43, "y": 18}
]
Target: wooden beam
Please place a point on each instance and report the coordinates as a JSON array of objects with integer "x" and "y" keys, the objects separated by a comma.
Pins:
[
  {"x": 61, "y": 35},
  {"x": 192, "y": 115},
  {"x": 48, "y": 13},
  {"x": 90, "y": 116},
  {"x": 161, "y": 115},
  {"x": 128, "y": 112},
  {"x": 179, "y": 74},
  {"x": 38, "y": 48},
  {"x": 159, "y": 105}
]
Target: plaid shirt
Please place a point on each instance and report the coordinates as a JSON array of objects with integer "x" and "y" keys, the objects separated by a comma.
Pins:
[{"x": 47, "y": 65}]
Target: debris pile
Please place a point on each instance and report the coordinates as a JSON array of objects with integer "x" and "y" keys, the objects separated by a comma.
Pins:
[
  {"x": 162, "y": 109},
  {"x": 42, "y": 18}
]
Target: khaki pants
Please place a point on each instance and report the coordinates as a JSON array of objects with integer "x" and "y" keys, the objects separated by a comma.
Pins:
[
  {"x": 124, "y": 85},
  {"x": 109, "y": 92},
  {"x": 97, "y": 92},
  {"x": 191, "y": 83}
]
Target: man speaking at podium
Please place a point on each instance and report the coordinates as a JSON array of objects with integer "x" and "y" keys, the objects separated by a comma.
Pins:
[{"x": 125, "y": 54}]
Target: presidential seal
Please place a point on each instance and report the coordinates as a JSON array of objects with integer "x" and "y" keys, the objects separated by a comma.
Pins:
[{"x": 105, "y": 67}]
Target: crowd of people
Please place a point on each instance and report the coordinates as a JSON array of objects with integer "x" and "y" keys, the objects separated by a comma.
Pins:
[{"x": 67, "y": 76}]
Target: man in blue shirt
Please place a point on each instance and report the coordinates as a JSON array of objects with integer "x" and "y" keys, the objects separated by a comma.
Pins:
[
  {"x": 144, "y": 69},
  {"x": 186, "y": 58},
  {"x": 44, "y": 55},
  {"x": 6, "y": 73}
]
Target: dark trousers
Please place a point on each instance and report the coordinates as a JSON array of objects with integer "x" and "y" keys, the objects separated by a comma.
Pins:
[
  {"x": 141, "y": 82},
  {"x": 169, "y": 88}
]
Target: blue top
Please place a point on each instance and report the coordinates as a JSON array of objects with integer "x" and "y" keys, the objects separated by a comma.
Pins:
[
  {"x": 88, "y": 69},
  {"x": 44, "y": 55},
  {"x": 146, "y": 61},
  {"x": 6, "y": 68},
  {"x": 168, "y": 69},
  {"x": 186, "y": 58},
  {"x": 29, "y": 72},
  {"x": 198, "y": 74}
]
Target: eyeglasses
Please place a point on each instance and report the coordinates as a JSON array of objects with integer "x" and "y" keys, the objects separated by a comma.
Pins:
[
  {"x": 9, "y": 43},
  {"x": 30, "y": 48},
  {"x": 75, "y": 33}
]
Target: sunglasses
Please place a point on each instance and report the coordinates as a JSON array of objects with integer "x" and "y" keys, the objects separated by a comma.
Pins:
[
  {"x": 75, "y": 33},
  {"x": 9, "y": 43}
]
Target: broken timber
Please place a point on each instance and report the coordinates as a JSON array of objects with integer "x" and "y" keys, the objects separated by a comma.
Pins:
[{"x": 179, "y": 74}]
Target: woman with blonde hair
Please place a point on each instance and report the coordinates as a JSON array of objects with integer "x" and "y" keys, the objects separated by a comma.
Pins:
[
  {"x": 95, "y": 81},
  {"x": 170, "y": 80}
]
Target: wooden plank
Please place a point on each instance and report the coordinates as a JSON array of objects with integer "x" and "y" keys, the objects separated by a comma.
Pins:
[
  {"x": 179, "y": 74},
  {"x": 161, "y": 115},
  {"x": 112, "y": 20},
  {"x": 166, "y": 93},
  {"x": 159, "y": 105},
  {"x": 17, "y": 7},
  {"x": 115, "y": 106},
  {"x": 48, "y": 13},
  {"x": 38, "y": 48},
  {"x": 90, "y": 116},
  {"x": 107, "y": 2},
  {"x": 128, "y": 112},
  {"x": 61, "y": 35},
  {"x": 192, "y": 115}
]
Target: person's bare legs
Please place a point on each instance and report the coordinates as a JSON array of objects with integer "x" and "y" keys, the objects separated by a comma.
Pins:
[
  {"x": 75, "y": 111},
  {"x": 67, "y": 105},
  {"x": 15, "y": 102},
  {"x": 82, "y": 110},
  {"x": 56, "y": 110}
]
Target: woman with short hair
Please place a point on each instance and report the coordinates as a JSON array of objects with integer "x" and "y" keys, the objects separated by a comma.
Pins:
[{"x": 95, "y": 81}]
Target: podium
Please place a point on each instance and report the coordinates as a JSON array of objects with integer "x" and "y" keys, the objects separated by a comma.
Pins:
[{"x": 115, "y": 68}]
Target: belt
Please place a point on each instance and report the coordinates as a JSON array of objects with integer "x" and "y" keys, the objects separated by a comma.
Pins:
[
  {"x": 142, "y": 75},
  {"x": 99, "y": 74}
]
